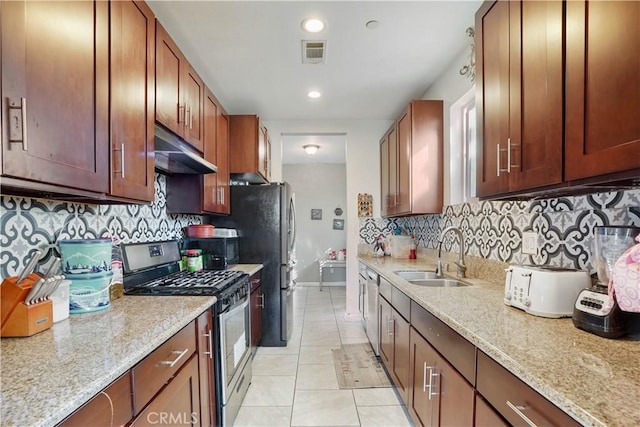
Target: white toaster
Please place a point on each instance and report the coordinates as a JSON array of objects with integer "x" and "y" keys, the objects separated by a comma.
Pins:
[{"x": 544, "y": 291}]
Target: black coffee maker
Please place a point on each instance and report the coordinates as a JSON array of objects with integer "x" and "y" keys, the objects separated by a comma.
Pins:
[{"x": 596, "y": 309}]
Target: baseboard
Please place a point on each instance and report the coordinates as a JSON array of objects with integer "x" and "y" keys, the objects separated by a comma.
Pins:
[{"x": 324, "y": 284}]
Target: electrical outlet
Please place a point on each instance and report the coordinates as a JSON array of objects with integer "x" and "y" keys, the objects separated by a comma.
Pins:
[{"x": 529, "y": 243}]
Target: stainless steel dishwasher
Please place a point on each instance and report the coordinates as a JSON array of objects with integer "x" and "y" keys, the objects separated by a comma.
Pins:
[{"x": 372, "y": 313}]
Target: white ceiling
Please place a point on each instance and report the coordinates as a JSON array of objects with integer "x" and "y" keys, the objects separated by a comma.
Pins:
[
  {"x": 332, "y": 148},
  {"x": 249, "y": 54}
]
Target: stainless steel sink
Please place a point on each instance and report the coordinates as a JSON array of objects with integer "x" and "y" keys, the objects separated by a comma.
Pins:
[
  {"x": 411, "y": 275},
  {"x": 439, "y": 283}
]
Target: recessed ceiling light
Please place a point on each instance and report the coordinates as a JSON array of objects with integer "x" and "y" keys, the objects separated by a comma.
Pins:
[
  {"x": 372, "y": 25},
  {"x": 314, "y": 94},
  {"x": 313, "y": 25}
]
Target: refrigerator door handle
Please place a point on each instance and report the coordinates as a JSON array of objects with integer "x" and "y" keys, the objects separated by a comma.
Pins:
[{"x": 292, "y": 225}]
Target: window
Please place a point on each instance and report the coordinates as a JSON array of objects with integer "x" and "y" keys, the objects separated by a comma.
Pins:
[{"x": 462, "y": 149}]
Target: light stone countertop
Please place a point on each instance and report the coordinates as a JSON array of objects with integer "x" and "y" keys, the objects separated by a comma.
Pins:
[
  {"x": 250, "y": 269},
  {"x": 593, "y": 379},
  {"x": 47, "y": 376}
]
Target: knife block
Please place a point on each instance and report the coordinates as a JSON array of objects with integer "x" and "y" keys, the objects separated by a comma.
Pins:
[{"x": 19, "y": 319}]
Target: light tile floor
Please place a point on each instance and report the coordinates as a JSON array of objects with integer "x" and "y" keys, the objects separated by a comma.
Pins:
[{"x": 297, "y": 385}]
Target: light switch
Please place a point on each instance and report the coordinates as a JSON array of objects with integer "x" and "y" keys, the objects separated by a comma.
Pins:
[{"x": 530, "y": 243}]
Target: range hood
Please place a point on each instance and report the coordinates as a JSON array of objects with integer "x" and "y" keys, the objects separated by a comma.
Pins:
[{"x": 174, "y": 156}]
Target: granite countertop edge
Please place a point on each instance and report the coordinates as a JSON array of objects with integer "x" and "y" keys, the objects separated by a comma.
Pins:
[{"x": 474, "y": 333}]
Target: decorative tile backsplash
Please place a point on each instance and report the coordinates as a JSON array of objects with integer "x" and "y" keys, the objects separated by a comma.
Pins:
[
  {"x": 29, "y": 224},
  {"x": 494, "y": 230}
]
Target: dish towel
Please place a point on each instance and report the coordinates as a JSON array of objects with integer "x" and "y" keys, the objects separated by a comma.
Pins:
[{"x": 626, "y": 279}]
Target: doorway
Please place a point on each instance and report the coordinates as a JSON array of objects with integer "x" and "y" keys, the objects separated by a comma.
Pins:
[{"x": 314, "y": 164}]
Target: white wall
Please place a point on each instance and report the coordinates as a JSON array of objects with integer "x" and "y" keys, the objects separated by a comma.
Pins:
[
  {"x": 449, "y": 87},
  {"x": 317, "y": 186},
  {"x": 363, "y": 175}
]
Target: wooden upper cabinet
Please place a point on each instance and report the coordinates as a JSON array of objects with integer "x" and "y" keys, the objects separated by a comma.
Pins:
[
  {"x": 602, "y": 88},
  {"x": 55, "y": 94},
  {"x": 414, "y": 147},
  {"x": 194, "y": 97},
  {"x": 249, "y": 143},
  {"x": 519, "y": 80},
  {"x": 179, "y": 91},
  {"x": 224, "y": 204},
  {"x": 210, "y": 191},
  {"x": 169, "y": 92},
  {"x": 215, "y": 197},
  {"x": 132, "y": 100}
]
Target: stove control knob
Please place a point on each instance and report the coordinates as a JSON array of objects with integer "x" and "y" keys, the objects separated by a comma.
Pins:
[
  {"x": 507, "y": 296},
  {"x": 527, "y": 302}
]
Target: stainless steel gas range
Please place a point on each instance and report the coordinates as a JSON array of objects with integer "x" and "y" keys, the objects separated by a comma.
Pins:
[{"x": 154, "y": 269}]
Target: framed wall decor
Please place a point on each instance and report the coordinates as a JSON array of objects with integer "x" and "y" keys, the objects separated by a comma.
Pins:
[
  {"x": 338, "y": 224},
  {"x": 316, "y": 214}
]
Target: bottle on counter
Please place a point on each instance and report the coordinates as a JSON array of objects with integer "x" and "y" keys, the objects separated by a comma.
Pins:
[
  {"x": 412, "y": 248},
  {"x": 116, "y": 288},
  {"x": 194, "y": 259}
]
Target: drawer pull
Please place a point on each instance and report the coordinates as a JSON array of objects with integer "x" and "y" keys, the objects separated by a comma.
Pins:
[
  {"x": 424, "y": 377},
  {"x": 518, "y": 410},
  {"x": 390, "y": 327},
  {"x": 261, "y": 303},
  {"x": 210, "y": 347},
  {"x": 172, "y": 363},
  {"x": 432, "y": 375}
]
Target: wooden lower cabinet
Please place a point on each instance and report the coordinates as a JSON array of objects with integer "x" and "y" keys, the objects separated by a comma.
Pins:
[
  {"x": 486, "y": 416},
  {"x": 438, "y": 394},
  {"x": 257, "y": 305},
  {"x": 206, "y": 369},
  {"x": 178, "y": 403},
  {"x": 518, "y": 403},
  {"x": 110, "y": 407},
  {"x": 394, "y": 346}
]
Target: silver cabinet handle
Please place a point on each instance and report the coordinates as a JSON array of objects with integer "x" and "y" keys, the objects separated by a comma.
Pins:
[
  {"x": 181, "y": 113},
  {"x": 432, "y": 375},
  {"x": 390, "y": 327},
  {"x": 209, "y": 335},
  {"x": 261, "y": 304},
  {"x": 172, "y": 363},
  {"x": 518, "y": 410},
  {"x": 424, "y": 377},
  {"x": 122, "y": 160},
  {"x": 510, "y": 146},
  {"x": 190, "y": 117},
  {"x": 498, "y": 159},
  {"x": 17, "y": 122}
]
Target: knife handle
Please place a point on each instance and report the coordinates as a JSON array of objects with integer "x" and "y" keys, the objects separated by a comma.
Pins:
[
  {"x": 28, "y": 269},
  {"x": 34, "y": 291}
]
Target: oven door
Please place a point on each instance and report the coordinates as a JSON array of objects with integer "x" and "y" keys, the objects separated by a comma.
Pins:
[{"x": 234, "y": 346}]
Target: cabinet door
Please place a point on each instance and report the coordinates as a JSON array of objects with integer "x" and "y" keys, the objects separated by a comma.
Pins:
[
  {"x": 170, "y": 108},
  {"x": 194, "y": 104},
  {"x": 439, "y": 395},
  {"x": 492, "y": 102},
  {"x": 210, "y": 192},
  {"x": 132, "y": 95},
  {"x": 393, "y": 170},
  {"x": 534, "y": 146},
  {"x": 602, "y": 88},
  {"x": 486, "y": 416},
  {"x": 422, "y": 360},
  {"x": 386, "y": 334},
  {"x": 178, "y": 403},
  {"x": 257, "y": 304},
  {"x": 223, "y": 164},
  {"x": 404, "y": 163},
  {"x": 205, "y": 369},
  {"x": 55, "y": 93},
  {"x": 401, "y": 355},
  {"x": 262, "y": 149},
  {"x": 384, "y": 176}
]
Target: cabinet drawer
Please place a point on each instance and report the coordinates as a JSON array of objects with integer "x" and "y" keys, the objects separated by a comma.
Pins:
[
  {"x": 110, "y": 407},
  {"x": 157, "y": 368},
  {"x": 401, "y": 303},
  {"x": 504, "y": 391},
  {"x": 385, "y": 288},
  {"x": 453, "y": 347}
]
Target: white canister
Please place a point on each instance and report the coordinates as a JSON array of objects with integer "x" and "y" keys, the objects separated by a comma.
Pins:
[{"x": 60, "y": 300}]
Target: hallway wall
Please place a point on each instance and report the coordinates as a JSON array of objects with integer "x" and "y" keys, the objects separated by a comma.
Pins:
[{"x": 317, "y": 186}]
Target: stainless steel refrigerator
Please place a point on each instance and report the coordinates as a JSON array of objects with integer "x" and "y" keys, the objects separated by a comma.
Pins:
[{"x": 264, "y": 216}]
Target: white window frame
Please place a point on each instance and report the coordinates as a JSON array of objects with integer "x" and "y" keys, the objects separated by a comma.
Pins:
[{"x": 462, "y": 149}]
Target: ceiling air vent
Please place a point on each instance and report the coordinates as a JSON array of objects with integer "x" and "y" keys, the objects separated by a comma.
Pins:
[{"x": 314, "y": 51}]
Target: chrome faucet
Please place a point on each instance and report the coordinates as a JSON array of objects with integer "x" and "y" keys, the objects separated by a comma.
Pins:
[{"x": 462, "y": 268}]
